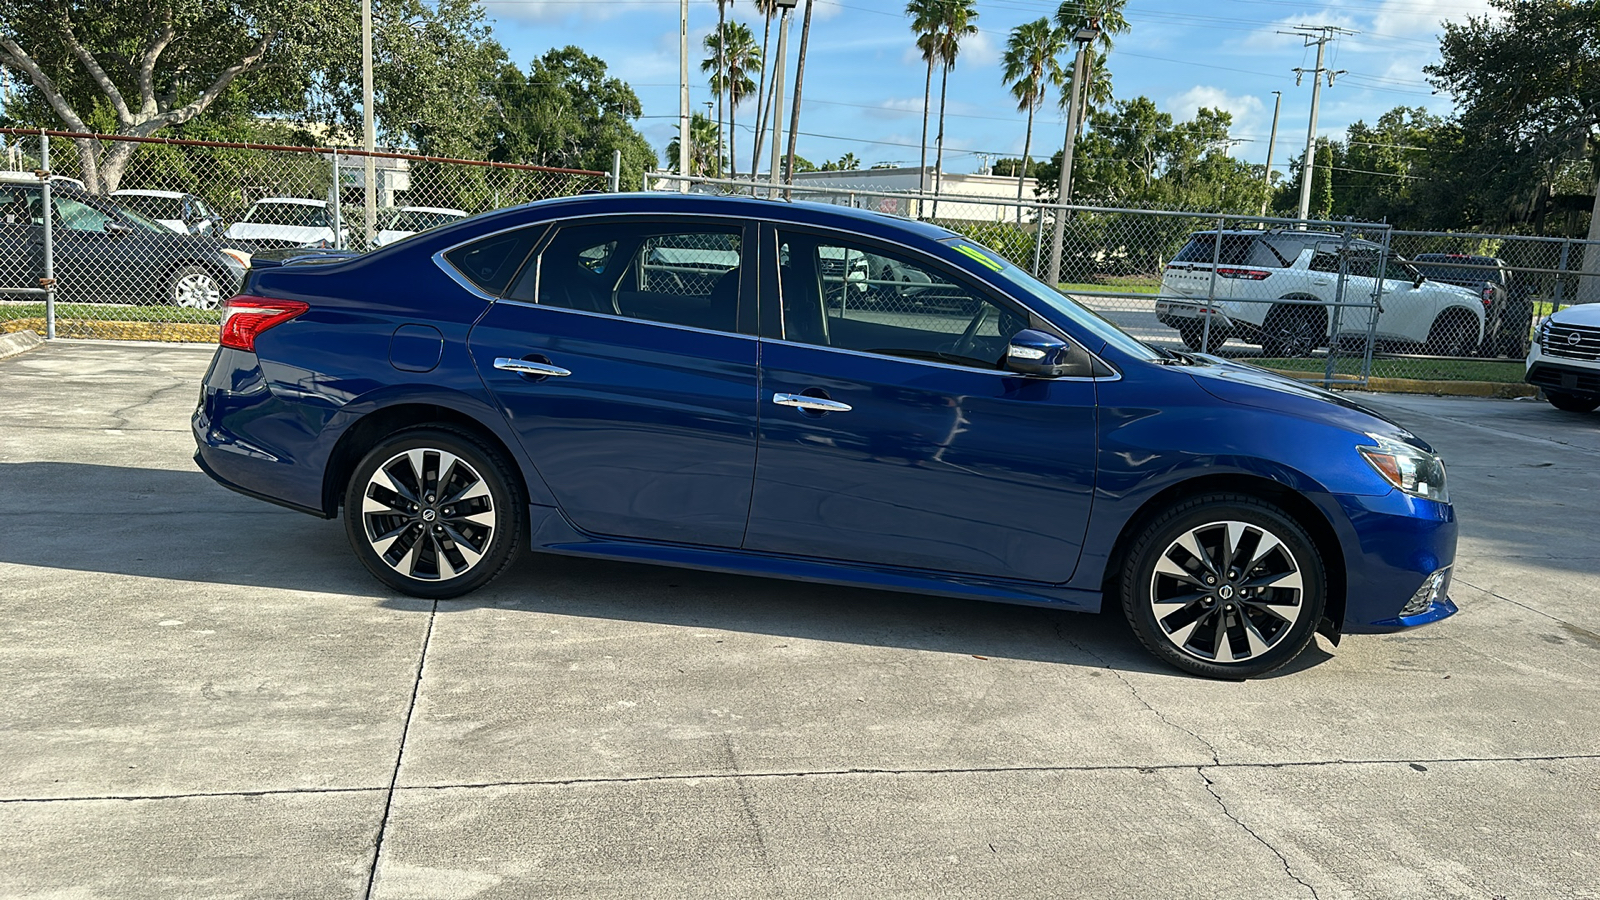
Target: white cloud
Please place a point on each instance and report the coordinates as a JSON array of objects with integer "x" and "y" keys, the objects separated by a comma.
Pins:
[
  {"x": 1421, "y": 18},
  {"x": 1248, "y": 111}
]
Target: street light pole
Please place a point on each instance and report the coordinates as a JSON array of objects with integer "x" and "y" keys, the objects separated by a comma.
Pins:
[
  {"x": 368, "y": 135},
  {"x": 1075, "y": 101},
  {"x": 683, "y": 95},
  {"x": 1271, "y": 142},
  {"x": 777, "y": 95}
]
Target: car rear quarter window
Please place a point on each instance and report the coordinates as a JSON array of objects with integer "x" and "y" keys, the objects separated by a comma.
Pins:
[
  {"x": 674, "y": 274},
  {"x": 1237, "y": 250},
  {"x": 492, "y": 262}
]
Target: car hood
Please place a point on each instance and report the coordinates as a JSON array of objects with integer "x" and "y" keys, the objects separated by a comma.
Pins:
[
  {"x": 1586, "y": 314},
  {"x": 1254, "y": 386}
]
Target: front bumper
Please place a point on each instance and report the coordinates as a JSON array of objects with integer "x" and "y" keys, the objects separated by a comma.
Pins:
[
  {"x": 1563, "y": 374},
  {"x": 1392, "y": 544}
]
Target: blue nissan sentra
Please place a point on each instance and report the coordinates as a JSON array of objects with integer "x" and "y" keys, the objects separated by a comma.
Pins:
[{"x": 819, "y": 393}]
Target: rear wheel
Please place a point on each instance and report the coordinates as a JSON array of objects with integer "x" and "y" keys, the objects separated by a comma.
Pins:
[
  {"x": 434, "y": 512},
  {"x": 1293, "y": 331},
  {"x": 1573, "y": 402},
  {"x": 1224, "y": 586},
  {"x": 1454, "y": 333},
  {"x": 194, "y": 287},
  {"x": 1195, "y": 337}
]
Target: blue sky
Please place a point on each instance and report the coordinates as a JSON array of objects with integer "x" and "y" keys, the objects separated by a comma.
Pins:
[{"x": 864, "y": 79}]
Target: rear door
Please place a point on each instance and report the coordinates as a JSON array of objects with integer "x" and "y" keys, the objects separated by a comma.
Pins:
[{"x": 624, "y": 360}]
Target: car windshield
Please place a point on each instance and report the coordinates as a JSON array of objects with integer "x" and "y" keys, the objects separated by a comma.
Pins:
[
  {"x": 152, "y": 207},
  {"x": 1029, "y": 286},
  {"x": 421, "y": 220},
  {"x": 293, "y": 215}
]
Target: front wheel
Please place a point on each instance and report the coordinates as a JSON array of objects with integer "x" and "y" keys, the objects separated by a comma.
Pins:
[
  {"x": 1224, "y": 586},
  {"x": 434, "y": 513},
  {"x": 1573, "y": 402},
  {"x": 194, "y": 287}
]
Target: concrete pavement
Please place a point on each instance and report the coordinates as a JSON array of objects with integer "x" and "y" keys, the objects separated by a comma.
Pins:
[{"x": 207, "y": 696}]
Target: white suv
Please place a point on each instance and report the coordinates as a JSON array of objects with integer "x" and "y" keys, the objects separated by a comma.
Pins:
[
  {"x": 1565, "y": 360},
  {"x": 1279, "y": 289}
]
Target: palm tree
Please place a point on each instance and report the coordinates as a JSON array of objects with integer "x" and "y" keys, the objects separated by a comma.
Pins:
[
  {"x": 955, "y": 23},
  {"x": 799, "y": 81},
  {"x": 722, "y": 22},
  {"x": 1032, "y": 69},
  {"x": 766, "y": 8},
  {"x": 924, "y": 15},
  {"x": 735, "y": 46},
  {"x": 1107, "y": 15},
  {"x": 705, "y": 146}
]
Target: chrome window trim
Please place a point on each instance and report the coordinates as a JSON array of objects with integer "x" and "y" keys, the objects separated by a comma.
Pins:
[
  {"x": 1003, "y": 373},
  {"x": 1116, "y": 374},
  {"x": 616, "y": 318},
  {"x": 461, "y": 279}
]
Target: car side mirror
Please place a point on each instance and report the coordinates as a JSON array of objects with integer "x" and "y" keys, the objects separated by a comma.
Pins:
[
  {"x": 117, "y": 228},
  {"x": 1033, "y": 352},
  {"x": 1418, "y": 283}
]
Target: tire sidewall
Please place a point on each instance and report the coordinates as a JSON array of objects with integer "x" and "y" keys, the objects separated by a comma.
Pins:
[
  {"x": 504, "y": 490},
  {"x": 1159, "y": 533}
]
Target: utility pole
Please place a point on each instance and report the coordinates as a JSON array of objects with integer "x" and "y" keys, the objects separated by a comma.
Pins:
[
  {"x": 1085, "y": 36},
  {"x": 368, "y": 134},
  {"x": 1319, "y": 35},
  {"x": 1277, "y": 105},
  {"x": 683, "y": 96},
  {"x": 777, "y": 96}
]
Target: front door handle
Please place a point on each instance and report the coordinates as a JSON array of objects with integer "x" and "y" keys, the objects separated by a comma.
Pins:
[
  {"x": 810, "y": 404},
  {"x": 529, "y": 367}
]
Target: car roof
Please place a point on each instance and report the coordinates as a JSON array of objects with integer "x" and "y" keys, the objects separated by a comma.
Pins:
[
  {"x": 295, "y": 201},
  {"x": 138, "y": 192},
  {"x": 867, "y": 222}
]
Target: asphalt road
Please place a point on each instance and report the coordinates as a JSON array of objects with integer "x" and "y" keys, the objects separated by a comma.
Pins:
[{"x": 206, "y": 696}]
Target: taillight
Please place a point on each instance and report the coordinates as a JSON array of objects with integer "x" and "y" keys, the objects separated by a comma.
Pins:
[
  {"x": 244, "y": 317},
  {"x": 1247, "y": 274},
  {"x": 1488, "y": 294}
]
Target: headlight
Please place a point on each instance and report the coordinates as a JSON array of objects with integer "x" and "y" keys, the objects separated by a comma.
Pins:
[{"x": 1417, "y": 472}]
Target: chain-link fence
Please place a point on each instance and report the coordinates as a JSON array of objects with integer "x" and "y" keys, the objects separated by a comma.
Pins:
[
  {"x": 149, "y": 239},
  {"x": 1329, "y": 301}
]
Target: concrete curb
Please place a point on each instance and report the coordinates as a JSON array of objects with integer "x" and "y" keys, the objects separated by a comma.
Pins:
[
  {"x": 1495, "y": 389},
  {"x": 17, "y": 343}
]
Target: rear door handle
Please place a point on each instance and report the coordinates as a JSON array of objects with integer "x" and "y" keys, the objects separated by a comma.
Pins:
[
  {"x": 810, "y": 404},
  {"x": 529, "y": 367}
]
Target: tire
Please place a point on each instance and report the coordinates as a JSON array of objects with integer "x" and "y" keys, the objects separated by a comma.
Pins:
[
  {"x": 1293, "y": 331},
  {"x": 1194, "y": 334},
  {"x": 194, "y": 287},
  {"x": 1454, "y": 333},
  {"x": 1214, "y": 630},
  {"x": 1577, "y": 403},
  {"x": 416, "y": 540}
]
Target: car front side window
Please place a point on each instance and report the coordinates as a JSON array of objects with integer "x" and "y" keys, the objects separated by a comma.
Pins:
[{"x": 863, "y": 299}]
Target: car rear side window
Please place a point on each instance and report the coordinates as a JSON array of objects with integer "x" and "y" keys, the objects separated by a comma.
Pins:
[
  {"x": 1236, "y": 250},
  {"x": 492, "y": 262},
  {"x": 675, "y": 274}
]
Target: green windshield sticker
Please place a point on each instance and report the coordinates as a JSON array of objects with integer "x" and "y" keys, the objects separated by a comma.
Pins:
[{"x": 980, "y": 256}]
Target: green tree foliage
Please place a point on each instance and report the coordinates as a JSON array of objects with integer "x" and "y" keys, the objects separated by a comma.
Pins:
[
  {"x": 1106, "y": 15},
  {"x": 845, "y": 163},
  {"x": 705, "y": 158},
  {"x": 1527, "y": 82},
  {"x": 566, "y": 112},
  {"x": 1032, "y": 69},
  {"x": 733, "y": 59},
  {"x": 137, "y": 67}
]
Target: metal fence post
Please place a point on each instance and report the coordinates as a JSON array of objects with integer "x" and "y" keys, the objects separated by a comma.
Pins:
[
  {"x": 1038, "y": 240},
  {"x": 338, "y": 211},
  {"x": 48, "y": 279},
  {"x": 1372, "y": 314},
  {"x": 1339, "y": 291},
  {"x": 616, "y": 171},
  {"x": 1561, "y": 275},
  {"x": 1211, "y": 290}
]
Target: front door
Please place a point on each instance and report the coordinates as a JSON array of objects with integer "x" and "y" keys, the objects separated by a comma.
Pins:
[
  {"x": 889, "y": 434},
  {"x": 652, "y": 433}
]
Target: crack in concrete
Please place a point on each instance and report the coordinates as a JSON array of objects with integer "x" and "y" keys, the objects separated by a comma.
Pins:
[
  {"x": 814, "y": 773},
  {"x": 148, "y": 399},
  {"x": 405, "y": 732},
  {"x": 1498, "y": 596},
  {"x": 1106, "y": 664},
  {"x": 1289, "y": 870}
]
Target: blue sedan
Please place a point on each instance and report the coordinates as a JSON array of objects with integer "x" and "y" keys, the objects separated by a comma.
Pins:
[{"x": 817, "y": 393}]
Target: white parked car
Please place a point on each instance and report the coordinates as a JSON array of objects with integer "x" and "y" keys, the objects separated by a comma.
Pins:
[
  {"x": 1565, "y": 360},
  {"x": 1278, "y": 289},
  {"x": 183, "y": 213},
  {"x": 274, "y": 222},
  {"x": 408, "y": 220}
]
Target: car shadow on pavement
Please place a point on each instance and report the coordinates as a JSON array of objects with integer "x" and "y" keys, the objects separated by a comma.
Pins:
[{"x": 181, "y": 526}]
